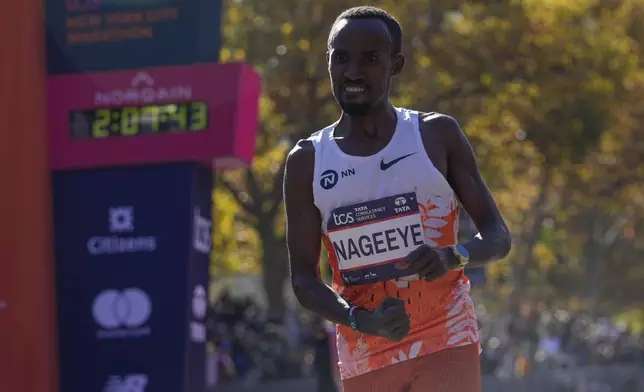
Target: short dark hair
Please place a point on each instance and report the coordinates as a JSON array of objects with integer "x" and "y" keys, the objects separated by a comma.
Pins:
[{"x": 369, "y": 12}]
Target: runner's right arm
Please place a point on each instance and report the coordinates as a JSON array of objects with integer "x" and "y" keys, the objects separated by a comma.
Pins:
[
  {"x": 304, "y": 236},
  {"x": 303, "y": 239}
]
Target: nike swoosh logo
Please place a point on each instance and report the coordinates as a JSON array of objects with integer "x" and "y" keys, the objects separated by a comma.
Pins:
[{"x": 385, "y": 166}]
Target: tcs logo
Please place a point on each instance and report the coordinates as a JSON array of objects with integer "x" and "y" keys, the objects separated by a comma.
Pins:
[{"x": 343, "y": 219}]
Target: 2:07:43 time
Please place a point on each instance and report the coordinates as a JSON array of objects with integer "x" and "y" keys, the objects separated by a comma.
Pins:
[{"x": 134, "y": 120}]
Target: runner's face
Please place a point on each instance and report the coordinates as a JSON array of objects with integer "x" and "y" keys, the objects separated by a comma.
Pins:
[{"x": 360, "y": 64}]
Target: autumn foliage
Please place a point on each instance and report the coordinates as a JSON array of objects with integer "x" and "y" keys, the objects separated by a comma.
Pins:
[{"x": 550, "y": 93}]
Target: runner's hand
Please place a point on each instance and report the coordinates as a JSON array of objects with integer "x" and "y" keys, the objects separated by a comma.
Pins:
[
  {"x": 427, "y": 262},
  {"x": 390, "y": 320}
]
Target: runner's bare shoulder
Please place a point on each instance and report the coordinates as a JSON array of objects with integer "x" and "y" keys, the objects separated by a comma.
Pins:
[
  {"x": 303, "y": 147},
  {"x": 302, "y": 157},
  {"x": 440, "y": 124},
  {"x": 445, "y": 131},
  {"x": 303, "y": 227},
  {"x": 300, "y": 165}
]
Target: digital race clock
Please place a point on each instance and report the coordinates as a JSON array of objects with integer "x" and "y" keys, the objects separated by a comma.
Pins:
[
  {"x": 201, "y": 112},
  {"x": 138, "y": 120}
]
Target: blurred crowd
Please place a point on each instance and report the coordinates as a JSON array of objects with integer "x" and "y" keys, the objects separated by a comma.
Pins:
[
  {"x": 248, "y": 347},
  {"x": 556, "y": 340}
]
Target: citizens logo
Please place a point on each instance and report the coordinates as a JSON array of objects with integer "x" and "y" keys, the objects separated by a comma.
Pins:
[
  {"x": 120, "y": 221},
  {"x": 122, "y": 314}
]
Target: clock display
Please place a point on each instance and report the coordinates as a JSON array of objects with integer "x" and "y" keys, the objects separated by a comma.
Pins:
[{"x": 138, "y": 120}]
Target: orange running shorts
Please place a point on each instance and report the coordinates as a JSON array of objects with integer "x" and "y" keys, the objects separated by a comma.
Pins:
[{"x": 451, "y": 370}]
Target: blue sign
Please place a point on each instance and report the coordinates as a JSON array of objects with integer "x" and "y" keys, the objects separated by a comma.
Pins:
[
  {"x": 131, "y": 255},
  {"x": 198, "y": 274},
  {"x": 105, "y": 35}
]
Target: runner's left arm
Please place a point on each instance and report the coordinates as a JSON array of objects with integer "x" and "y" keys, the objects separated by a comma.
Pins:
[{"x": 494, "y": 240}]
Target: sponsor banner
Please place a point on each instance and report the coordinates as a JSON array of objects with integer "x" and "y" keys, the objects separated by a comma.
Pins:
[
  {"x": 92, "y": 35},
  {"x": 125, "y": 243},
  {"x": 369, "y": 238},
  {"x": 203, "y": 113},
  {"x": 197, "y": 288}
]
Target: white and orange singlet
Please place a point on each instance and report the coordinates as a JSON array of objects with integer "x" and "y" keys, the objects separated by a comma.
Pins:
[{"x": 375, "y": 210}]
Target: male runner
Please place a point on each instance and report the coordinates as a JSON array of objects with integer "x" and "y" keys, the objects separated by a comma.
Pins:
[{"x": 381, "y": 187}]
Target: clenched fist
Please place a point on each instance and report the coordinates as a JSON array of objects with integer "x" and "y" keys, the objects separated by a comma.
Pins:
[{"x": 390, "y": 320}]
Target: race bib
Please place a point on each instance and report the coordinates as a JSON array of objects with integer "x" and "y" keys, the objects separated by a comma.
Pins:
[{"x": 369, "y": 238}]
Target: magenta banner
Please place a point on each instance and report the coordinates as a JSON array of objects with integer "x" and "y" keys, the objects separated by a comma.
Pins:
[{"x": 205, "y": 113}]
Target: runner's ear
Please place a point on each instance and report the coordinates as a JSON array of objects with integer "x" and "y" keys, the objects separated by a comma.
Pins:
[{"x": 398, "y": 64}]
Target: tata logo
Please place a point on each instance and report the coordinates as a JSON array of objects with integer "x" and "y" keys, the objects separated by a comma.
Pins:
[
  {"x": 343, "y": 219},
  {"x": 398, "y": 210},
  {"x": 401, "y": 204},
  {"x": 330, "y": 177},
  {"x": 400, "y": 201}
]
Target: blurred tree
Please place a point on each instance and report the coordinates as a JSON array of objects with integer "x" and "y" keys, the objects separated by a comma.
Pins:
[
  {"x": 557, "y": 76},
  {"x": 605, "y": 221},
  {"x": 285, "y": 45},
  {"x": 544, "y": 89},
  {"x": 235, "y": 244}
]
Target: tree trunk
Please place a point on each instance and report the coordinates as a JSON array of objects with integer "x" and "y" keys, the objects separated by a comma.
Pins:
[
  {"x": 597, "y": 247},
  {"x": 525, "y": 258},
  {"x": 529, "y": 240},
  {"x": 275, "y": 268},
  {"x": 593, "y": 257}
]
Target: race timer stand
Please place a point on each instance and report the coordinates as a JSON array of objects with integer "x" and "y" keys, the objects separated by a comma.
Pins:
[{"x": 139, "y": 114}]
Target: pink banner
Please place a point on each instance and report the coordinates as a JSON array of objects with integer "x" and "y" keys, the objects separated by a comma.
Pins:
[{"x": 230, "y": 93}]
